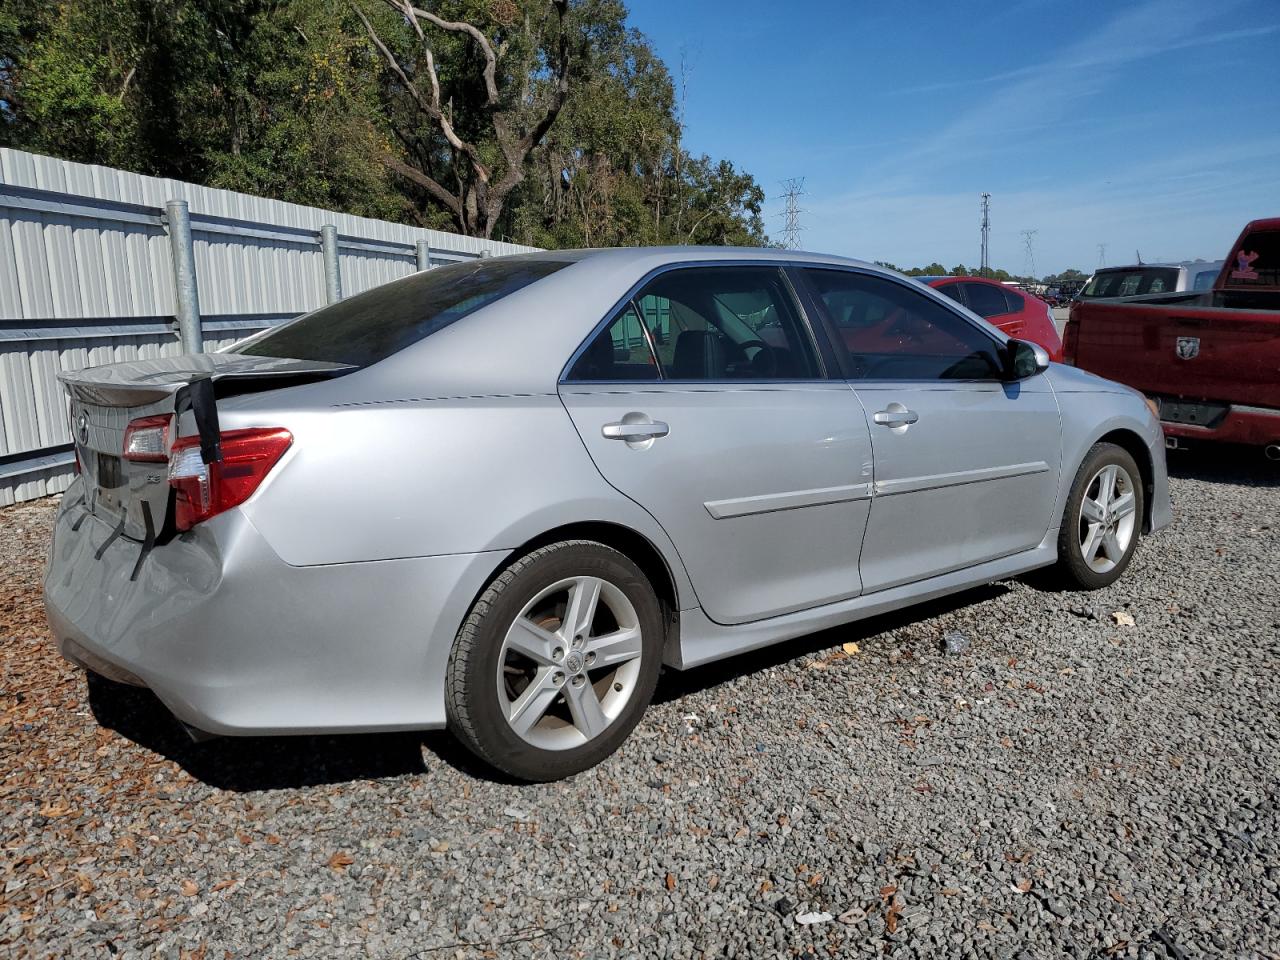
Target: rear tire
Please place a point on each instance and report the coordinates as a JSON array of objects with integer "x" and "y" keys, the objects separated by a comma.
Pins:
[
  {"x": 1102, "y": 521},
  {"x": 556, "y": 662}
]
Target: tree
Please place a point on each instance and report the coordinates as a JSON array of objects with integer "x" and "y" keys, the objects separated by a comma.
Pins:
[
  {"x": 517, "y": 103},
  {"x": 548, "y": 121}
]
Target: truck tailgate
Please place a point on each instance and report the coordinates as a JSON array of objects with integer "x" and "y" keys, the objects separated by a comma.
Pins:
[{"x": 1194, "y": 352}]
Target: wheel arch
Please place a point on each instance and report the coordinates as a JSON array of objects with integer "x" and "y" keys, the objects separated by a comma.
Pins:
[{"x": 630, "y": 543}]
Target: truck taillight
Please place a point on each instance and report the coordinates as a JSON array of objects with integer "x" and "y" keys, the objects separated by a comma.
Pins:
[
  {"x": 146, "y": 440},
  {"x": 1070, "y": 340},
  {"x": 203, "y": 490}
]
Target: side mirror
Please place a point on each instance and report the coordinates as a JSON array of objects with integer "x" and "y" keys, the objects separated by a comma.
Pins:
[{"x": 1023, "y": 359}]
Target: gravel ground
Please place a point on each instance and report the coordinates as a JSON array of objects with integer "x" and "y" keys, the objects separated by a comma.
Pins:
[{"x": 1070, "y": 786}]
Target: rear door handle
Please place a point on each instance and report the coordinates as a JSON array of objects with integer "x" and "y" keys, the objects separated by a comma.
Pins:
[
  {"x": 632, "y": 432},
  {"x": 896, "y": 418}
]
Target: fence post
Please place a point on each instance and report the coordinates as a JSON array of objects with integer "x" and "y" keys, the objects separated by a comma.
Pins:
[
  {"x": 424, "y": 254},
  {"x": 332, "y": 269},
  {"x": 185, "y": 289}
]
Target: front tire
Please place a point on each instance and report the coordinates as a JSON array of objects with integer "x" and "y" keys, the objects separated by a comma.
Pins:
[
  {"x": 1102, "y": 520},
  {"x": 556, "y": 662}
]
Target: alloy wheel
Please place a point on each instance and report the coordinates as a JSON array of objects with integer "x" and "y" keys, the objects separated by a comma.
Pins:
[
  {"x": 569, "y": 663},
  {"x": 1108, "y": 518}
]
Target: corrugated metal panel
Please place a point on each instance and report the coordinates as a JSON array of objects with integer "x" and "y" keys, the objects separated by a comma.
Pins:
[{"x": 86, "y": 278}]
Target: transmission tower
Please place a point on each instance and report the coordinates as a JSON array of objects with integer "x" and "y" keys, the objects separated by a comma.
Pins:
[
  {"x": 1028, "y": 242},
  {"x": 1102, "y": 254},
  {"x": 791, "y": 230},
  {"x": 986, "y": 233}
]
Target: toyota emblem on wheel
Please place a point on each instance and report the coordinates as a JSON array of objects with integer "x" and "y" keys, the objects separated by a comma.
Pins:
[{"x": 1187, "y": 348}]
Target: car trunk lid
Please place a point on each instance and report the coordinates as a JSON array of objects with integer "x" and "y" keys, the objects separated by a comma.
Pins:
[{"x": 134, "y": 496}]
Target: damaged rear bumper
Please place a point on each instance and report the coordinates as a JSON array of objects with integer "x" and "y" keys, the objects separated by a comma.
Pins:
[{"x": 235, "y": 641}]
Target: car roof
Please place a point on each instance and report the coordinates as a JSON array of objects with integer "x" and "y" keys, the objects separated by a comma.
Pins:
[
  {"x": 518, "y": 345},
  {"x": 956, "y": 276}
]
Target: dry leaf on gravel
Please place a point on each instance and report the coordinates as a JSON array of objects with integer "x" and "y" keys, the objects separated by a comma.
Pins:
[
  {"x": 341, "y": 860},
  {"x": 1022, "y": 886},
  {"x": 851, "y": 648},
  {"x": 190, "y": 888},
  {"x": 1123, "y": 618}
]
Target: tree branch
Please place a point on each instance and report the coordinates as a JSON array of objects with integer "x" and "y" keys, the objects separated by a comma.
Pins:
[
  {"x": 410, "y": 172},
  {"x": 431, "y": 107},
  {"x": 456, "y": 26}
]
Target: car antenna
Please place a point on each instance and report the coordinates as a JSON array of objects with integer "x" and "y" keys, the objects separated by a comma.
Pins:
[{"x": 1138, "y": 254}]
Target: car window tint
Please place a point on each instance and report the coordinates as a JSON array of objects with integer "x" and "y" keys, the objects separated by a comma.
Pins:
[
  {"x": 891, "y": 332},
  {"x": 1257, "y": 262},
  {"x": 619, "y": 352},
  {"x": 1204, "y": 279},
  {"x": 726, "y": 323},
  {"x": 1017, "y": 302},
  {"x": 986, "y": 300},
  {"x": 373, "y": 325},
  {"x": 951, "y": 290}
]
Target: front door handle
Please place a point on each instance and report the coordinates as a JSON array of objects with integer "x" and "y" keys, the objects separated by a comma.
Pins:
[
  {"x": 634, "y": 432},
  {"x": 900, "y": 417}
]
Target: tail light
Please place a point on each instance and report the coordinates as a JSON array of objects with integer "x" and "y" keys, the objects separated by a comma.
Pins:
[
  {"x": 1070, "y": 341},
  {"x": 203, "y": 490},
  {"x": 147, "y": 440}
]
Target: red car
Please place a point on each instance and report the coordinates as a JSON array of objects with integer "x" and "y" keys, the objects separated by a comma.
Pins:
[{"x": 1016, "y": 313}]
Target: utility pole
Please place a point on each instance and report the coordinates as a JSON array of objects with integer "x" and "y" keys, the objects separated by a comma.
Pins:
[
  {"x": 986, "y": 234},
  {"x": 791, "y": 230},
  {"x": 1028, "y": 241},
  {"x": 1102, "y": 255}
]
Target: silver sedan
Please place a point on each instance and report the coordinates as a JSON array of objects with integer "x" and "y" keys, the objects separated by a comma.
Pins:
[{"x": 498, "y": 496}]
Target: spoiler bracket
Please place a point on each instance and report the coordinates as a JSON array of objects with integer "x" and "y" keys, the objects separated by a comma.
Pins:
[
  {"x": 199, "y": 397},
  {"x": 148, "y": 541},
  {"x": 97, "y": 554}
]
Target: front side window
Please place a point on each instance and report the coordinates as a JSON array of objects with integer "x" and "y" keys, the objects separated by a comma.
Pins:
[
  {"x": 890, "y": 332},
  {"x": 707, "y": 323},
  {"x": 986, "y": 300}
]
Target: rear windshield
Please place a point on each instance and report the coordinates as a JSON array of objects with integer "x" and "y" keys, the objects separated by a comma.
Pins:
[
  {"x": 1131, "y": 283},
  {"x": 1257, "y": 262},
  {"x": 371, "y": 326}
]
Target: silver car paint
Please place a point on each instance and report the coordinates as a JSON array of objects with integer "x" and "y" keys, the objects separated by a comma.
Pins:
[{"x": 328, "y": 602}]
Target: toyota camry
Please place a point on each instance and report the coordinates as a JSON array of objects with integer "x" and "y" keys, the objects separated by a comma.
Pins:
[{"x": 499, "y": 496}]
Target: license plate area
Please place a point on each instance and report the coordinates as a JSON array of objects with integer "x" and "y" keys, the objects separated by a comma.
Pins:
[
  {"x": 1193, "y": 414},
  {"x": 110, "y": 472}
]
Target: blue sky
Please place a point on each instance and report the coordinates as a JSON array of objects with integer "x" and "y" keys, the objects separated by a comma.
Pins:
[{"x": 1151, "y": 126}]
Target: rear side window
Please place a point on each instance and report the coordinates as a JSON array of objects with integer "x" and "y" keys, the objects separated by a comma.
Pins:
[
  {"x": 705, "y": 323},
  {"x": 1204, "y": 279},
  {"x": 985, "y": 300},
  {"x": 373, "y": 325},
  {"x": 619, "y": 352}
]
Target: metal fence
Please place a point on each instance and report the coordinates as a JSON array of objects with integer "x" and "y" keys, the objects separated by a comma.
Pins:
[{"x": 97, "y": 265}]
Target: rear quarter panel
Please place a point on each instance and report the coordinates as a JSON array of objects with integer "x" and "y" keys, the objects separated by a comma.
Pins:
[{"x": 428, "y": 477}]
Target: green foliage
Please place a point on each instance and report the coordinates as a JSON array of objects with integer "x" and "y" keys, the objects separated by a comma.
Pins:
[
  {"x": 936, "y": 269},
  {"x": 291, "y": 99}
]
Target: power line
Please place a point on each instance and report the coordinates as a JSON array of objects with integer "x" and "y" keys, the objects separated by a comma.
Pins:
[
  {"x": 792, "y": 229},
  {"x": 1102, "y": 254},
  {"x": 986, "y": 232},
  {"x": 1028, "y": 242}
]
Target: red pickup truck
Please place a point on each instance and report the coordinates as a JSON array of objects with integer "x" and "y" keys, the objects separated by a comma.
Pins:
[{"x": 1210, "y": 360}]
